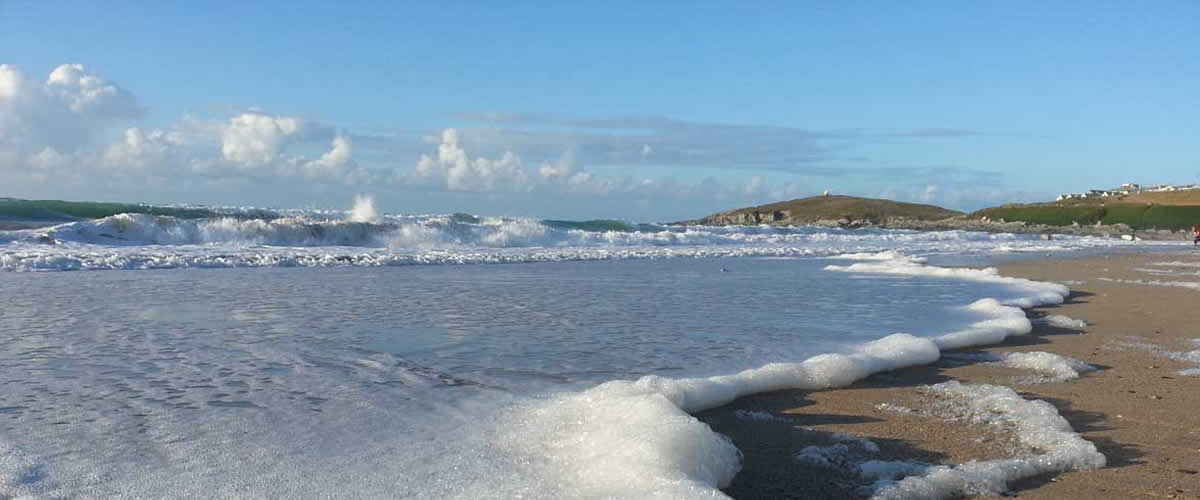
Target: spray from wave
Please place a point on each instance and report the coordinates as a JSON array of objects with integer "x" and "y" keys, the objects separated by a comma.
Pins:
[{"x": 364, "y": 210}]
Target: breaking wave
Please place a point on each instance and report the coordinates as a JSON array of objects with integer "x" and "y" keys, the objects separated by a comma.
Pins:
[{"x": 176, "y": 236}]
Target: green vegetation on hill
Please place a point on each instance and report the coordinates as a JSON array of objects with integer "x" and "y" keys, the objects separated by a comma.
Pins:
[
  {"x": 828, "y": 208},
  {"x": 1135, "y": 215},
  {"x": 852, "y": 207}
]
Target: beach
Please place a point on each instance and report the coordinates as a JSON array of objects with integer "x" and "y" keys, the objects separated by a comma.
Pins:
[{"x": 1136, "y": 406}]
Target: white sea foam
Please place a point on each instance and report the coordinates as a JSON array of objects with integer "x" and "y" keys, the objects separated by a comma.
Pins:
[
  {"x": 1194, "y": 285},
  {"x": 1049, "y": 366},
  {"x": 1148, "y": 270},
  {"x": 886, "y": 255},
  {"x": 1035, "y": 424},
  {"x": 843, "y": 455},
  {"x": 894, "y": 408},
  {"x": 1004, "y": 318},
  {"x": 1060, "y": 321},
  {"x": 1191, "y": 356},
  {"x": 617, "y": 440},
  {"x": 1035, "y": 293},
  {"x": 758, "y": 416},
  {"x": 1048, "y": 443},
  {"x": 1176, "y": 263}
]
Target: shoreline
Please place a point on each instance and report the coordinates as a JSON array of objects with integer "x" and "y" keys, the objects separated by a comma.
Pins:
[
  {"x": 984, "y": 226},
  {"x": 1134, "y": 407}
]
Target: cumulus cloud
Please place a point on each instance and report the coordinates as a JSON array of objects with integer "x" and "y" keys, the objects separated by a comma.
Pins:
[
  {"x": 337, "y": 164},
  {"x": 68, "y": 123},
  {"x": 337, "y": 157},
  {"x": 142, "y": 149},
  {"x": 85, "y": 93},
  {"x": 49, "y": 158},
  {"x": 64, "y": 112},
  {"x": 452, "y": 168},
  {"x": 77, "y": 126},
  {"x": 255, "y": 139}
]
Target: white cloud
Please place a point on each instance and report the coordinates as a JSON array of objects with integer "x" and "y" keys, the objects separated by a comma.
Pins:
[
  {"x": 562, "y": 168},
  {"x": 255, "y": 139},
  {"x": 62, "y": 113},
  {"x": 86, "y": 93},
  {"x": 337, "y": 164},
  {"x": 337, "y": 157},
  {"x": 453, "y": 169},
  {"x": 48, "y": 158},
  {"x": 142, "y": 149},
  {"x": 77, "y": 127}
]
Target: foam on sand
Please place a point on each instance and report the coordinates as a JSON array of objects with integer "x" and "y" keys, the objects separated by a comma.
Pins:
[
  {"x": 1060, "y": 321},
  {"x": 1048, "y": 445},
  {"x": 1194, "y": 285},
  {"x": 1050, "y": 367},
  {"x": 1054, "y": 447},
  {"x": 758, "y": 416},
  {"x": 1191, "y": 356},
  {"x": 1176, "y": 263}
]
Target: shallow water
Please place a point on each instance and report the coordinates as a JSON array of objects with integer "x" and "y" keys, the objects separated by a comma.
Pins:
[
  {"x": 466, "y": 381},
  {"x": 256, "y": 378}
]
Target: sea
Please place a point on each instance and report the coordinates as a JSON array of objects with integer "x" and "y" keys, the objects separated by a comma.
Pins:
[{"x": 171, "y": 351}]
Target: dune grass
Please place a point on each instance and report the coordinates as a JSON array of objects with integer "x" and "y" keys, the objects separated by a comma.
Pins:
[{"x": 1141, "y": 216}]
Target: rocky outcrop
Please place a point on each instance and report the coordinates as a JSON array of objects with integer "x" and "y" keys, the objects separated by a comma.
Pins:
[
  {"x": 832, "y": 210},
  {"x": 747, "y": 218}
]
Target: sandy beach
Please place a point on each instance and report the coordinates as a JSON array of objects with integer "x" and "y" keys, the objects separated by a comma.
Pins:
[{"x": 1137, "y": 407}]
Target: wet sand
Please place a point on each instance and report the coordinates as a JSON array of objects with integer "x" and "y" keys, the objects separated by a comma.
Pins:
[{"x": 1140, "y": 413}]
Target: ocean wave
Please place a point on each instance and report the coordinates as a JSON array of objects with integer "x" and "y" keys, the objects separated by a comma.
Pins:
[
  {"x": 59, "y": 210},
  {"x": 252, "y": 237}
]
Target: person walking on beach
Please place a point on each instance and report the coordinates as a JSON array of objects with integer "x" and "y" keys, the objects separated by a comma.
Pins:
[{"x": 1196, "y": 234}]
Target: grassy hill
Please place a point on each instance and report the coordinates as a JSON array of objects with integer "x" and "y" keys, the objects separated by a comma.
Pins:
[
  {"x": 827, "y": 208},
  {"x": 1173, "y": 210}
]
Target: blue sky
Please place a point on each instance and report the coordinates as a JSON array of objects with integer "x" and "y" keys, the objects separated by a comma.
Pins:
[{"x": 611, "y": 109}]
